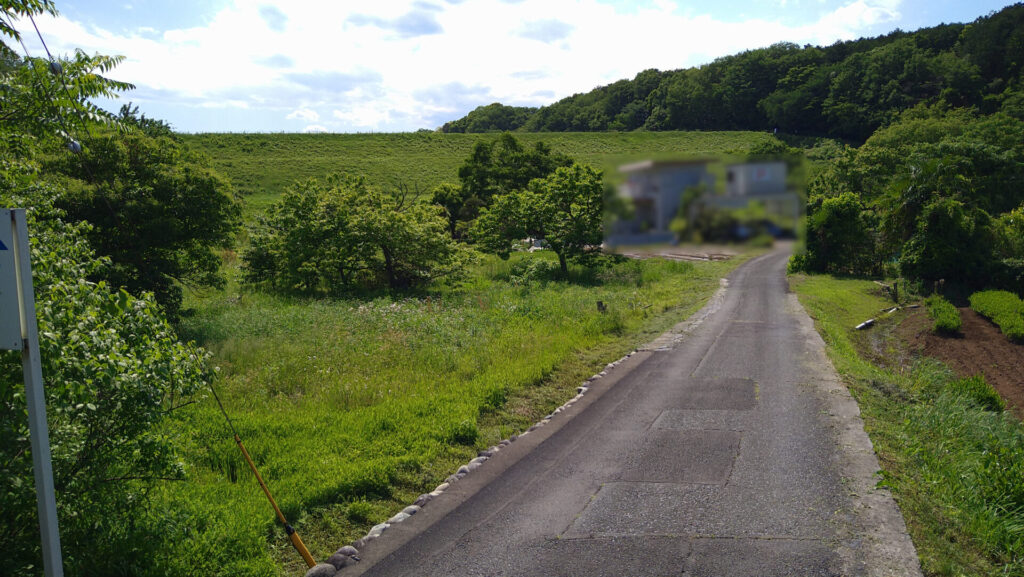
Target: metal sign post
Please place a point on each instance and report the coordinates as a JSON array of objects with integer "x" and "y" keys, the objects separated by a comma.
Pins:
[{"x": 16, "y": 294}]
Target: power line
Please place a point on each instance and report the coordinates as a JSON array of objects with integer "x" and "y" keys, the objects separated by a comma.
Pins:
[
  {"x": 72, "y": 143},
  {"x": 55, "y": 67},
  {"x": 58, "y": 69}
]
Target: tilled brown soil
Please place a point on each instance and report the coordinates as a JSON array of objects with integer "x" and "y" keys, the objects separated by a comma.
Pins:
[{"x": 979, "y": 348}]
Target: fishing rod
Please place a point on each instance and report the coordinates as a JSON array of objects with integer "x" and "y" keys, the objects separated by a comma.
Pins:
[{"x": 292, "y": 535}]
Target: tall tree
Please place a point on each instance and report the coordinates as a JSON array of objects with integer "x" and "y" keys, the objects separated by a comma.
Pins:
[
  {"x": 497, "y": 167},
  {"x": 565, "y": 209},
  {"x": 158, "y": 211}
]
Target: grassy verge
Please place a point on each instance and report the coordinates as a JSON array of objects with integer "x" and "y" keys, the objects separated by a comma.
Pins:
[
  {"x": 953, "y": 460},
  {"x": 353, "y": 407}
]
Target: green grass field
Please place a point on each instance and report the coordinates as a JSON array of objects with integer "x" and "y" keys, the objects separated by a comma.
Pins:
[
  {"x": 261, "y": 165},
  {"x": 953, "y": 460},
  {"x": 352, "y": 407}
]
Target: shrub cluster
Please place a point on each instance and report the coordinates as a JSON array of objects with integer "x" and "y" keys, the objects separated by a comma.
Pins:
[
  {"x": 326, "y": 236},
  {"x": 945, "y": 315},
  {"x": 1004, "y": 309}
]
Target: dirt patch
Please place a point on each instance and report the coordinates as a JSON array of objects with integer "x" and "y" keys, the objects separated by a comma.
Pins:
[
  {"x": 979, "y": 348},
  {"x": 693, "y": 252}
]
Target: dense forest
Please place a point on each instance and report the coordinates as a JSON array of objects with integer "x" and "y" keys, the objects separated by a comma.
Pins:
[{"x": 846, "y": 90}]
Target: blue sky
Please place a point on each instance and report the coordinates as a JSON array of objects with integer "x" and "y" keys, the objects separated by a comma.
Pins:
[{"x": 400, "y": 65}]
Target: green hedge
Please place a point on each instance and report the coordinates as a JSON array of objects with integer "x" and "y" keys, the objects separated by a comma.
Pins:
[
  {"x": 945, "y": 315},
  {"x": 1003, "y": 308}
]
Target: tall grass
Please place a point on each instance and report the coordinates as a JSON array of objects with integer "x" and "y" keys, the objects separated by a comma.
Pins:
[
  {"x": 352, "y": 407},
  {"x": 953, "y": 459}
]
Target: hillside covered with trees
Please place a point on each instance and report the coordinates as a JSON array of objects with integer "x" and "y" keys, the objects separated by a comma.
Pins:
[{"x": 846, "y": 90}]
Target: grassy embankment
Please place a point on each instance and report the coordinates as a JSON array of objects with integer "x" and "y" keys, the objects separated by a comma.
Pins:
[
  {"x": 953, "y": 460},
  {"x": 261, "y": 165},
  {"x": 353, "y": 407}
]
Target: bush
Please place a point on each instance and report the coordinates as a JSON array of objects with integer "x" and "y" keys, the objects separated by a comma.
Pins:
[
  {"x": 359, "y": 511},
  {"x": 979, "y": 392},
  {"x": 179, "y": 212},
  {"x": 1004, "y": 309},
  {"x": 529, "y": 270},
  {"x": 798, "y": 262},
  {"x": 324, "y": 237},
  {"x": 946, "y": 316},
  {"x": 839, "y": 236},
  {"x": 464, "y": 432},
  {"x": 952, "y": 241}
]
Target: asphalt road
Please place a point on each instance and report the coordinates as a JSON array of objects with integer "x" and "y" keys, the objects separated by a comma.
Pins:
[{"x": 728, "y": 447}]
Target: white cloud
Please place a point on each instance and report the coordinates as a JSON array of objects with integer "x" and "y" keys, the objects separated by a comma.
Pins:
[
  {"x": 848, "y": 21},
  {"x": 433, "y": 62},
  {"x": 315, "y": 128},
  {"x": 304, "y": 114}
]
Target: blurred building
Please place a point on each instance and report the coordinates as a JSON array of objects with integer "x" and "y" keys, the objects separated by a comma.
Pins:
[
  {"x": 658, "y": 189},
  {"x": 762, "y": 182}
]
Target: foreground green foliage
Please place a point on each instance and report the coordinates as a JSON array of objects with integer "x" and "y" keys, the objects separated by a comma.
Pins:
[
  {"x": 952, "y": 459},
  {"x": 353, "y": 407},
  {"x": 946, "y": 316},
  {"x": 34, "y": 99},
  {"x": 1003, "y": 308},
  {"x": 114, "y": 370},
  {"x": 325, "y": 237}
]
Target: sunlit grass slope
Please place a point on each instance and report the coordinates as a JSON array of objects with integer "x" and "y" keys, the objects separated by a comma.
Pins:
[{"x": 261, "y": 165}]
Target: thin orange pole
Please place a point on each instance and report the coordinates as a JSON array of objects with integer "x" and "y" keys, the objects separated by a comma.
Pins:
[{"x": 296, "y": 540}]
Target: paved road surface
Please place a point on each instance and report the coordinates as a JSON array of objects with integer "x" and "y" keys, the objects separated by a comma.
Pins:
[{"x": 734, "y": 452}]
